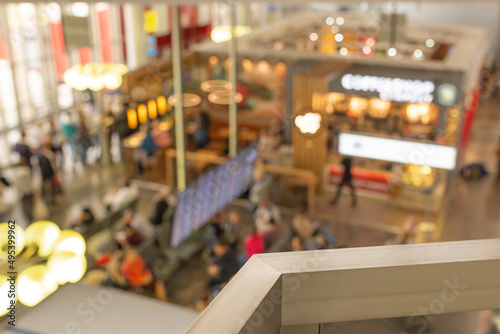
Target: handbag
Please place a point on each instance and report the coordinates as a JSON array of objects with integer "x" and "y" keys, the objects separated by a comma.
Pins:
[{"x": 56, "y": 184}]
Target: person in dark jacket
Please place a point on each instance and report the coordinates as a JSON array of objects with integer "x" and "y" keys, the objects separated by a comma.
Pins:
[
  {"x": 47, "y": 171},
  {"x": 23, "y": 149},
  {"x": 161, "y": 206},
  {"x": 346, "y": 180},
  {"x": 224, "y": 264}
]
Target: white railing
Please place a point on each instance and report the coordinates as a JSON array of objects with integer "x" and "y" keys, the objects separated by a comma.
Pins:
[{"x": 294, "y": 292}]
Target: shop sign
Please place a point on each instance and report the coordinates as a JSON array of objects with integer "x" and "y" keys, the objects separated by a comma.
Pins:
[
  {"x": 391, "y": 89},
  {"x": 367, "y": 181},
  {"x": 396, "y": 150}
]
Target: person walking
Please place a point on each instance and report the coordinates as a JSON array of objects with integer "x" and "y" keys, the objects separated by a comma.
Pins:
[
  {"x": 24, "y": 150},
  {"x": 24, "y": 186},
  {"x": 346, "y": 180},
  {"x": 47, "y": 171}
]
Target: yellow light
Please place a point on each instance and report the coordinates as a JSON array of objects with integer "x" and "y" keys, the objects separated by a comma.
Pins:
[
  {"x": 247, "y": 65},
  {"x": 426, "y": 170},
  {"x": 215, "y": 85},
  {"x": 142, "y": 111},
  {"x": 213, "y": 61},
  {"x": 221, "y": 34},
  {"x": 281, "y": 68},
  {"x": 263, "y": 66},
  {"x": 379, "y": 108},
  {"x": 152, "y": 109},
  {"x": 222, "y": 97},
  {"x": 4, "y": 293},
  {"x": 34, "y": 284},
  {"x": 357, "y": 105},
  {"x": 112, "y": 80},
  {"x": 67, "y": 267},
  {"x": 69, "y": 241},
  {"x": 161, "y": 102},
  {"x": 74, "y": 78},
  {"x": 150, "y": 21},
  {"x": 188, "y": 100},
  {"x": 132, "y": 118},
  {"x": 42, "y": 233},
  {"x": 18, "y": 240}
]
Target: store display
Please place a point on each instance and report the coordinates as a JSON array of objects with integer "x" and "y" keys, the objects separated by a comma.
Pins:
[{"x": 418, "y": 176}]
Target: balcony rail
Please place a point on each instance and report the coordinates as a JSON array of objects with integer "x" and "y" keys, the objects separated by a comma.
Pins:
[{"x": 295, "y": 292}]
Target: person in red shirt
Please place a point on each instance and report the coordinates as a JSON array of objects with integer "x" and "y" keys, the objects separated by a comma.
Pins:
[{"x": 254, "y": 243}]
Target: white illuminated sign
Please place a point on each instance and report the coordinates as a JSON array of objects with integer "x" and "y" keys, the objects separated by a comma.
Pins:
[
  {"x": 309, "y": 123},
  {"x": 395, "y": 150},
  {"x": 391, "y": 89}
]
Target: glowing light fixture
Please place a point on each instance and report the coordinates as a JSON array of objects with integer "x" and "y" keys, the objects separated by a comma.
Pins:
[
  {"x": 379, "y": 108},
  {"x": 330, "y": 20},
  {"x": 152, "y": 109},
  {"x": 343, "y": 51},
  {"x": 67, "y": 267},
  {"x": 151, "y": 23},
  {"x": 132, "y": 118},
  {"x": 313, "y": 37},
  {"x": 142, "y": 112},
  {"x": 4, "y": 292},
  {"x": 335, "y": 29},
  {"x": 367, "y": 50},
  {"x": 212, "y": 61},
  {"x": 308, "y": 123},
  {"x": 80, "y": 9},
  {"x": 222, "y": 97},
  {"x": 417, "y": 54},
  {"x": 161, "y": 102},
  {"x": 69, "y": 241},
  {"x": 357, "y": 105},
  {"x": 430, "y": 43},
  {"x": 95, "y": 76},
  {"x": 43, "y": 234},
  {"x": 339, "y": 37},
  {"x": 370, "y": 41},
  {"x": 392, "y": 52},
  {"x": 221, "y": 34},
  {"x": 340, "y": 20},
  {"x": 188, "y": 100},
  {"x": 35, "y": 284},
  {"x": 215, "y": 85}
]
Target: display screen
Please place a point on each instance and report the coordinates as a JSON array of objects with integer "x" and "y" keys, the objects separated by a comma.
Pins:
[
  {"x": 396, "y": 150},
  {"x": 211, "y": 193}
]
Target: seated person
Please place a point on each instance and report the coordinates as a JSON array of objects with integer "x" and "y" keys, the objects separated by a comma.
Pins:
[
  {"x": 271, "y": 235},
  {"x": 302, "y": 225},
  {"x": 224, "y": 265},
  {"x": 139, "y": 277},
  {"x": 85, "y": 220},
  {"x": 118, "y": 198},
  {"x": 139, "y": 223},
  {"x": 264, "y": 213},
  {"x": 128, "y": 237},
  {"x": 254, "y": 243},
  {"x": 161, "y": 206}
]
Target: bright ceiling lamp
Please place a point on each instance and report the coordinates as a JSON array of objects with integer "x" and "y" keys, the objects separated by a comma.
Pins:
[
  {"x": 132, "y": 118},
  {"x": 69, "y": 241},
  {"x": 95, "y": 77},
  {"x": 210, "y": 86},
  {"x": 42, "y": 234},
  {"x": 222, "y": 97},
  {"x": 35, "y": 284},
  {"x": 309, "y": 123},
  {"x": 67, "y": 267},
  {"x": 221, "y": 34},
  {"x": 188, "y": 100}
]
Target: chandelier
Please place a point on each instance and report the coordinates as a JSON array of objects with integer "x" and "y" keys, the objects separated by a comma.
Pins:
[
  {"x": 37, "y": 261},
  {"x": 95, "y": 76}
]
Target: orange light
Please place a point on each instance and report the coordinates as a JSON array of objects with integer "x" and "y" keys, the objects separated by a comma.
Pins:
[
  {"x": 142, "y": 111},
  {"x": 132, "y": 118},
  {"x": 213, "y": 61},
  {"x": 370, "y": 41},
  {"x": 281, "y": 68},
  {"x": 152, "y": 109},
  {"x": 161, "y": 102}
]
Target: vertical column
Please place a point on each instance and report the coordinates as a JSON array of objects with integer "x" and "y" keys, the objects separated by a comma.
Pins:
[
  {"x": 135, "y": 36},
  {"x": 233, "y": 107},
  {"x": 179, "y": 112}
]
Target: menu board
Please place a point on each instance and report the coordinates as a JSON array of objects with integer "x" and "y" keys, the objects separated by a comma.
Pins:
[{"x": 211, "y": 193}]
